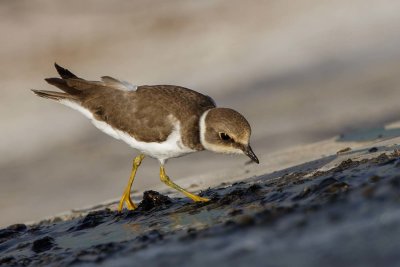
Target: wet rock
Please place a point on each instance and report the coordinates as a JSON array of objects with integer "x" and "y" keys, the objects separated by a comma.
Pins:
[
  {"x": 389, "y": 161},
  {"x": 97, "y": 253},
  {"x": 6, "y": 234},
  {"x": 11, "y": 231},
  {"x": 395, "y": 153},
  {"x": 245, "y": 220},
  {"x": 235, "y": 212},
  {"x": 325, "y": 183},
  {"x": 191, "y": 233},
  {"x": 153, "y": 199},
  {"x": 395, "y": 181},
  {"x": 303, "y": 194},
  {"x": 231, "y": 197},
  {"x": 92, "y": 219},
  {"x": 152, "y": 236},
  {"x": 19, "y": 227},
  {"x": 277, "y": 196},
  {"x": 397, "y": 163},
  {"x": 43, "y": 244},
  {"x": 253, "y": 188},
  {"x": 375, "y": 178},
  {"x": 346, "y": 164},
  {"x": 7, "y": 260},
  {"x": 338, "y": 187},
  {"x": 23, "y": 245},
  {"x": 285, "y": 207},
  {"x": 383, "y": 159},
  {"x": 368, "y": 191},
  {"x": 334, "y": 217},
  {"x": 268, "y": 216}
]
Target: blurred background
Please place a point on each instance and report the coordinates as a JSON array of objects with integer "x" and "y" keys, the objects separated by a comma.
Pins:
[{"x": 300, "y": 71}]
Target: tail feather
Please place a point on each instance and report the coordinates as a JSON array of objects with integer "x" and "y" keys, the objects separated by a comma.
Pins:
[
  {"x": 63, "y": 85},
  {"x": 65, "y": 73},
  {"x": 52, "y": 95}
]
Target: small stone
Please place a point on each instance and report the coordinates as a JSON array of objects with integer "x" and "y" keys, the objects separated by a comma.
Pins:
[
  {"x": 344, "y": 150},
  {"x": 42, "y": 244},
  {"x": 373, "y": 150},
  {"x": 152, "y": 199}
]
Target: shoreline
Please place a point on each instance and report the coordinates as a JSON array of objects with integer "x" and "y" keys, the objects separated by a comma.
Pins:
[{"x": 326, "y": 204}]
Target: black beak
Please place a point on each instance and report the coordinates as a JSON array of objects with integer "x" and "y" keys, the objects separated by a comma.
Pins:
[{"x": 249, "y": 152}]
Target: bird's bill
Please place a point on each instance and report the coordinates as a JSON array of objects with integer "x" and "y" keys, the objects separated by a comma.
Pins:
[{"x": 249, "y": 152}]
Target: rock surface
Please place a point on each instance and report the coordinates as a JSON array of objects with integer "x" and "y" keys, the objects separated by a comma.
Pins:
[{"x": 347, "y": 215}]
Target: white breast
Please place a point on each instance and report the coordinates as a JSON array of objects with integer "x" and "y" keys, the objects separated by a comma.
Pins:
[{"x": 170, "y": 148}]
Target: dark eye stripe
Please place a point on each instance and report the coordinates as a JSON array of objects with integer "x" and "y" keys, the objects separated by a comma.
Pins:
[{"x": 224, "y": 136}]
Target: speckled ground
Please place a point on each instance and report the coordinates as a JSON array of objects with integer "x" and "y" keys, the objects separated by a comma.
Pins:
[{"x": 348, "y": 215}]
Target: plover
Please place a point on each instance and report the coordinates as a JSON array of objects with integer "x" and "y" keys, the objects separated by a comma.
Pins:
[{"x": 161, "y": 121}]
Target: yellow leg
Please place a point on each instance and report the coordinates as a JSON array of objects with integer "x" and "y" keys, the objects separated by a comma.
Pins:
[
  {"x": 126, "y": 197},
  {"x": 165, "y": 179}
]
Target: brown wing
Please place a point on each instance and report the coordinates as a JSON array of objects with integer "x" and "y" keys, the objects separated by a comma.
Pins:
[
  {"x": 142, "y": 113},
  {"x": 110, "y": 101},
  {"x": 184, "y": 104}
]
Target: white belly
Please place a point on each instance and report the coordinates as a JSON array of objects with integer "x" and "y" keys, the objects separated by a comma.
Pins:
[{"x": 170, "y": 148}]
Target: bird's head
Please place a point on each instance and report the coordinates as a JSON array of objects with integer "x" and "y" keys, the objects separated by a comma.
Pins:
[{"x": 225, "y": 130}]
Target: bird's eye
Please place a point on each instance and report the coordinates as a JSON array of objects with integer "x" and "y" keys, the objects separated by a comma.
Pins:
[{"x": 224, "y": 136}]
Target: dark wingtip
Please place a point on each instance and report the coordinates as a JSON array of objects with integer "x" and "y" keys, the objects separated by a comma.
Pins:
[
  {"x": 54, "y": 81},
  {"x": 64, "y": 73}
]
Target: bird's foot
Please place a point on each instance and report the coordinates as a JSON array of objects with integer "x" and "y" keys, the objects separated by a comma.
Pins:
[
  {"x": 196, "y": 198},
  {"x": 126, "y": 198}
]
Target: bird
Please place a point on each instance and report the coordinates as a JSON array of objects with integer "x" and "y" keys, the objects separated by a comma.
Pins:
[{"x": 160, "y": 121}]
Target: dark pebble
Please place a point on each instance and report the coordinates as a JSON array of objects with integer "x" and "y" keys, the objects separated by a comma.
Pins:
[
  {"x": 346, "y": 164},
  {"x": 6, "y": 234},
  {"x": 253, "y": 188},
  {"x": 43, "y": 244},
  {"x": 92, "y": 219},
  {"x": 17, "y": 227},
  {"x": 373, "y": 149},
  {"x": 152, "y": 199}
]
